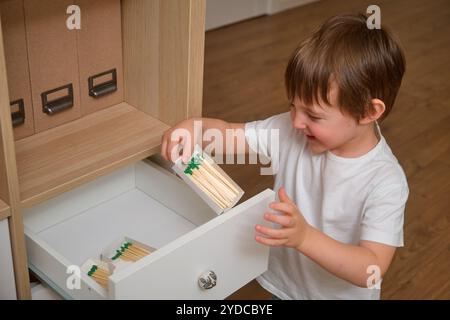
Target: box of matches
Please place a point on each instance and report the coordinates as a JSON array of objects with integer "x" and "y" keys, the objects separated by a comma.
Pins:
[
  {"x": 125, "y": 251},
  {"x": 209, "y": 181},
  {"x": 97, "y": 270}
]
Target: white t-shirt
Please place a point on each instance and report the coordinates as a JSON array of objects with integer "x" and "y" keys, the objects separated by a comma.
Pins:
[{"x": 349, "y": 199}]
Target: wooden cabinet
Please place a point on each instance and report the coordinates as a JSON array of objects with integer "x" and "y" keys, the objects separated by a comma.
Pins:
[
  {"x": 162, "y": 45},
  {"x": 71, "y": 187},
  {"x": 16, "y": 55}
]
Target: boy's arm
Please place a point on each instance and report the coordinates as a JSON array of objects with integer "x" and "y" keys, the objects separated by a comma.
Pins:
[
  {"x": 357, "y": 264},
  {"x": 186, "y": 134}
]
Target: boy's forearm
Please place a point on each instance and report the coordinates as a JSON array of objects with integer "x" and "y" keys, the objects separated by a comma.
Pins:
[
  {"x": 348, "y": 262},
  {"x": 231, "y": 134}
]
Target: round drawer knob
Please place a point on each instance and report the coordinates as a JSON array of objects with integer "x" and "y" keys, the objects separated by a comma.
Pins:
[{"x": 207, "y": 280}]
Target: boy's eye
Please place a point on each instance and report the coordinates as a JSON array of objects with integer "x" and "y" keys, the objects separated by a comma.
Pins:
[{"x": 313, "y": 117}]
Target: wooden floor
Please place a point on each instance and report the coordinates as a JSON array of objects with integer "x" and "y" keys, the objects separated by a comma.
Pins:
[{"x": 244, "y": 65}]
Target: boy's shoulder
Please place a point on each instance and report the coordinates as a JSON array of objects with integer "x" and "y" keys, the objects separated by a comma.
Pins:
[
  {"x": 279, "y": 123},
  {"x": 388, "y": 172}
]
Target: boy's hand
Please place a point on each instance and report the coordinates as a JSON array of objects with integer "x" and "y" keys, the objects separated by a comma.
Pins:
[
  {"x": 294, "y": 228},
  {"x": 179, "y": 141}
]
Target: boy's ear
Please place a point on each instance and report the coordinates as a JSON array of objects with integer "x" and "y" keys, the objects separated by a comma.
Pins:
[{"x": 373, "y": 113}]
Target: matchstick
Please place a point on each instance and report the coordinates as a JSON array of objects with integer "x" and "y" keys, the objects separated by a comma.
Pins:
[
  {"x": 136, "y": 253},
  {"x": 203, "y": 164},
  {"x": 119, "y": 255},
  {"x": 221, "y": 204},
  {"x": 138, "y": 247},
  {"x": 100, "y": 275},
  {"x": 211, "y": 190},
  {"x": 126, "y": 250},
  {"x": 208, "y": 186},
  {"x": 129, "y": 256},
  {"x": 219, "y": 185},
  {"x": 213, "y": 171},
  {"x": 211, "y": 182},
  {"x": 217, "y": 190}
]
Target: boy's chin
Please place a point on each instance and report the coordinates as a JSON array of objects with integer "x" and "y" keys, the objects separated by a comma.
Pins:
[{"x": 316, "y": 148}]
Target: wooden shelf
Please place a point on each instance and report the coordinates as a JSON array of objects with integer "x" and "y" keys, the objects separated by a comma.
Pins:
[
  {"x": 4, "y": 210},
  {"x": 59, "y": 159}
]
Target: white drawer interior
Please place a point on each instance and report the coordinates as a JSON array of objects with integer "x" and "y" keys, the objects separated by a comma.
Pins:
[
  {"x": 132, "y": 213},
  {"x": 79, "y": 224}
]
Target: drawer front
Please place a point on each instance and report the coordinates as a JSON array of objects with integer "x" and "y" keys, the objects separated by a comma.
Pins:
[{"x": 224, "y": 245}]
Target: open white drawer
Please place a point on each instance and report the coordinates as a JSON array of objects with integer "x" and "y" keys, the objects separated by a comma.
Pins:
[{"x": 151, "y": 205}]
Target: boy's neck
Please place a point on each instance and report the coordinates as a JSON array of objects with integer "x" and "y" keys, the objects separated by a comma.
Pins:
[{"x": 359, "y": 145}]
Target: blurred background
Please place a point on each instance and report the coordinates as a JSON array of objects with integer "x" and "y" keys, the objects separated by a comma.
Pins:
[{"x": 248, "y": 43}]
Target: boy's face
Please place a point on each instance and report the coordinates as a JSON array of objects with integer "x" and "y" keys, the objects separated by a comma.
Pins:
[{"x": 325, "y": 126}]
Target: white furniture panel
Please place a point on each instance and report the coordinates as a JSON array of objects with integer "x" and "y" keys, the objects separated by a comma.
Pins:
[{"x": 7, "y": 283}]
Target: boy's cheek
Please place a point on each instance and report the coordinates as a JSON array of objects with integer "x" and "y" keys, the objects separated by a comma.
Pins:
[{"x": 319, "y": 144}]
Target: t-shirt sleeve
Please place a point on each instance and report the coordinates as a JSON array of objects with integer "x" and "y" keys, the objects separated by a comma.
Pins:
[
  {"x": 264, "y": 136},
  {"x": 384, "y": 215}
]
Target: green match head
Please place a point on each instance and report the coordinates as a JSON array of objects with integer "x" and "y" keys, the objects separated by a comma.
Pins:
[
  {"x": 117, "y": 255},
  {"x": 194, "y": 163},
  {"x": 92, "y": 271}
]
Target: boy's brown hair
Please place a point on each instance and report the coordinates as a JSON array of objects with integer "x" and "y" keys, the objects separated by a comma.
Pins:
[{"x": 366, "y": 64}]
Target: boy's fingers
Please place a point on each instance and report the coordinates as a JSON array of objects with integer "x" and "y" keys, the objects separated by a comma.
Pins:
[
  {"x": 273, "y": 233},
  {"x": 164, "y": 147},
  {"x": 174, "y": 150},
  {"x": 169, "y": 149},
  {"x": 283, "y": 207},
  {"x": 270, "y": 242},
  {"x": 283, "y": 196},
  {"x": 285, "y": 221},
  {"x": 187, "y": 152}
]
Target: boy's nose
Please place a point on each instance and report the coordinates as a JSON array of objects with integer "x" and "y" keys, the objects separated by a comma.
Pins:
[{"x": 299, "y": 122}]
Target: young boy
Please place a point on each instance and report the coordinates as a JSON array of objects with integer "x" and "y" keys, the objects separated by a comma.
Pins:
[{"x": 341, "y": 191}]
